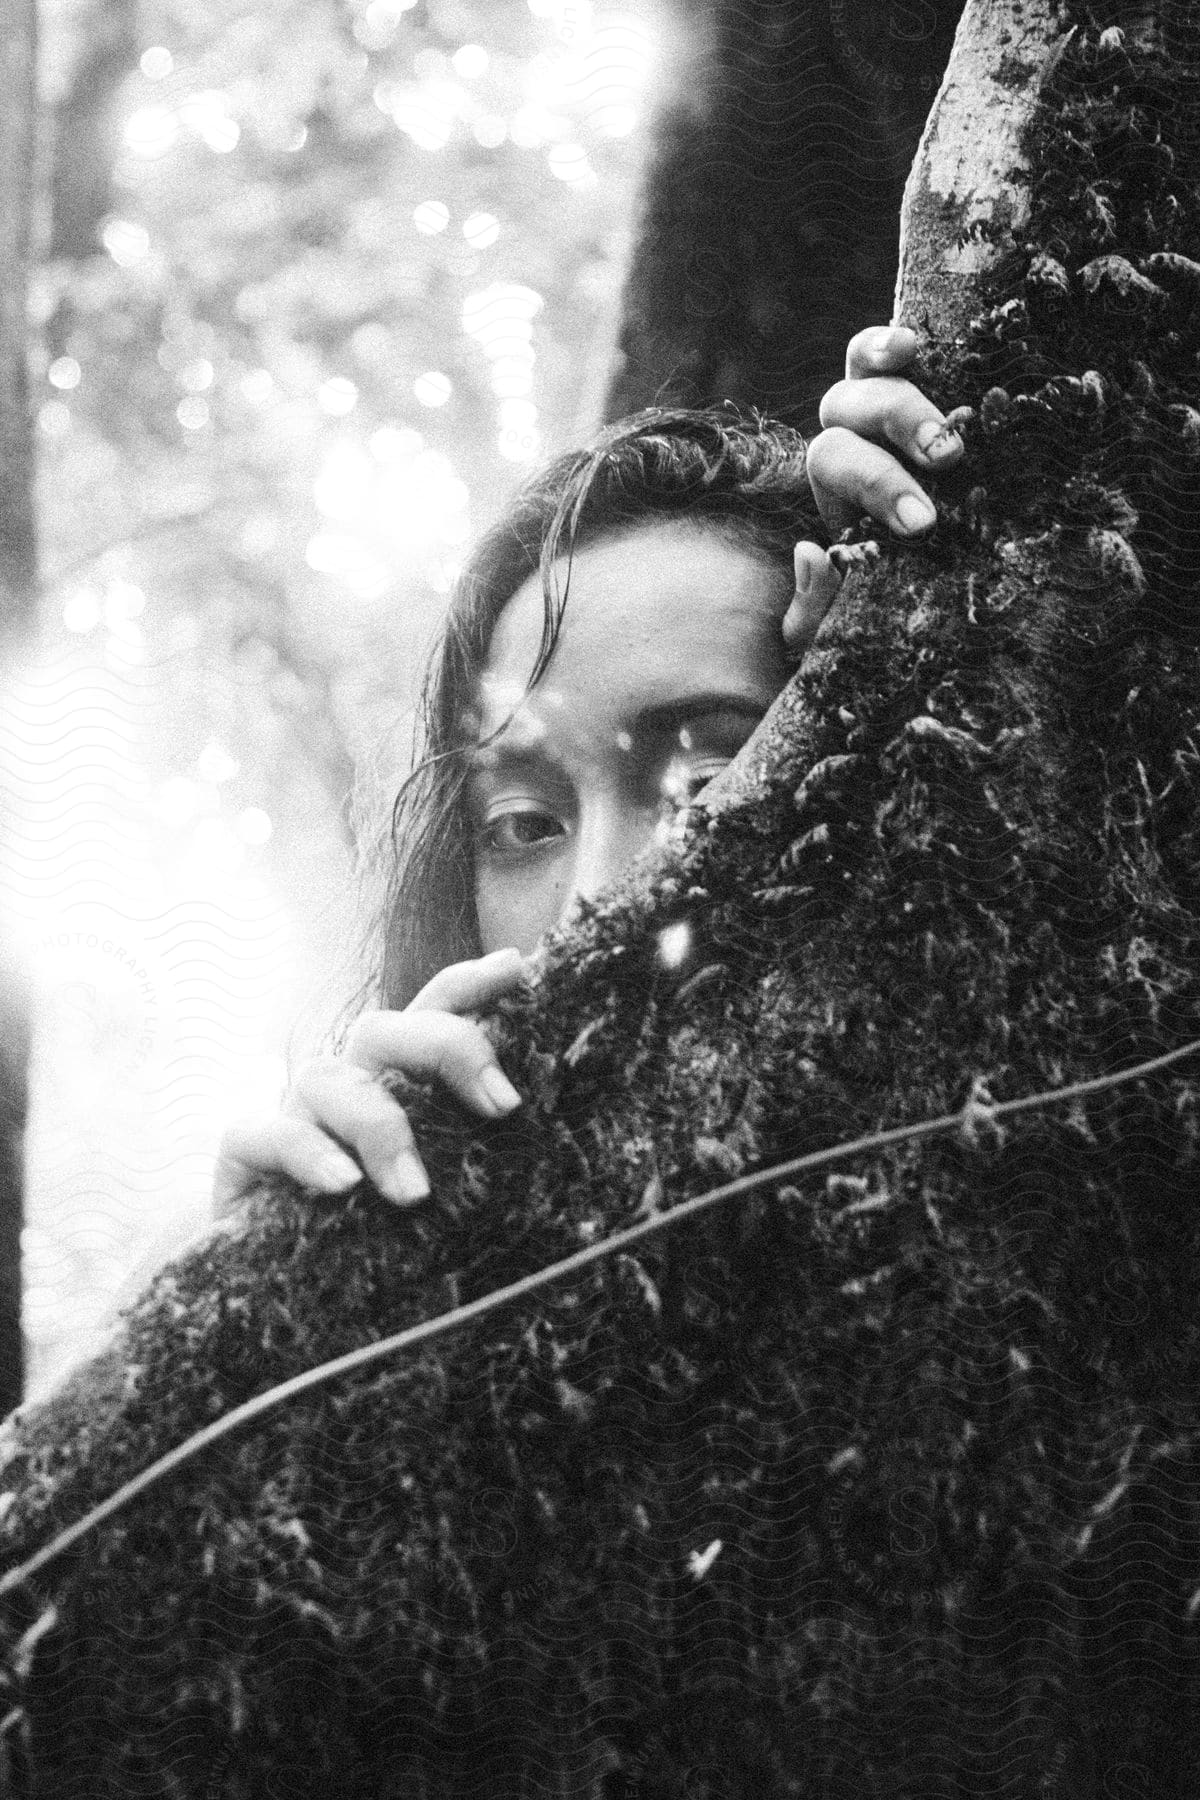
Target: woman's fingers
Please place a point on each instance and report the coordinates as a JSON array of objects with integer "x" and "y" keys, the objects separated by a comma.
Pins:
[
  {"x": 850, "y": 470},
  {"x": 435, "y": 1046},
  {"x": 879, "y": 350},
  {"x": 278, "y": 1145},
  {"x": 347, "y": 1104},
  {"x": 888, "y": 408},
  {"x": 338, "y": 1101},
  {"x": 469, "y": 987},
  {"x": 818, "y": 584},
  {"x": 850, "y": 476}
]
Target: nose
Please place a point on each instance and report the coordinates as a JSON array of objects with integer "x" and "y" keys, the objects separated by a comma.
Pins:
[{"x": 610, "y": 832}]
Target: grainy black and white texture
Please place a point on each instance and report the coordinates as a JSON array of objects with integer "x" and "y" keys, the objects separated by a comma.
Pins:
[
  {"x": 773, "y": 200},
  {"x": 940, "y": 1409}
]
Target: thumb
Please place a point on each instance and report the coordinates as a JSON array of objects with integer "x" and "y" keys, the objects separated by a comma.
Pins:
[{"x": 818, "y": 583}]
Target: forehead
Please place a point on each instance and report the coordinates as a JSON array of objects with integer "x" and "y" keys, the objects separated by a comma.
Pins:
[{"x": 653, "y": 613}]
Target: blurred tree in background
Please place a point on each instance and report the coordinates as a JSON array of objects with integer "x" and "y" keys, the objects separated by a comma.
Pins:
[
  {"x": 772, "y": 212},
  {"x": 18, "y": 574},
  {"x": 321, "y": 279}
]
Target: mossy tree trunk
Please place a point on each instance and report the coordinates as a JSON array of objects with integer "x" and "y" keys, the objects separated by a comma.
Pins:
[
  {"x": 882, "y": 1478},
  {"x": 17, "y": 595}
]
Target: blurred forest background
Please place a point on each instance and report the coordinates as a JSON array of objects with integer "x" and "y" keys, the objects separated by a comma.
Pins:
[{"x": 315, "y": 282}]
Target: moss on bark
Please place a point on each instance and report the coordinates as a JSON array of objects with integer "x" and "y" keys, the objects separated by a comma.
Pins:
[{"x": 882, "y": 1482}]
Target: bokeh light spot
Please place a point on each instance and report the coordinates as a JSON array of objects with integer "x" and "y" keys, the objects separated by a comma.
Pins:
[
  {"x": 197, "y": 376},
  {"x": 470, "y": 61},
  {"x": 481, "y": 230},
  {"x": 215, "y": 764},
  {"x": 192, "y": 412},
  {"x": 54, "y": 419},
  {"x": 151, "y": 131},
  {"x": 382, "y": 17},
  {"x": 425, "y": 115},
  {"x": 125, "y": 242},
  {"x": 156, "y": 63},
  {"x": 571, "y": 164},
  {"x": 347, "y": 557},
  {"x": 257, "y": 386},
  {"x": 337, "y": 396},
  {"x": 253, "y": 825},
  {"x": 64, "y": 372},
  {"x": 674, "y": 944},
  {"x": 207, "y": 115},
  {"x": 431, "y": 216},
  {"x": 82, "y": 611},
  {"x": 123, "y": 601},
  {"x": 433, "y": 388}
]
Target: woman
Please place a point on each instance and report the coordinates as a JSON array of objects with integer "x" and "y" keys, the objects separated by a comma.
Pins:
[{"x": 561, "y": 740}]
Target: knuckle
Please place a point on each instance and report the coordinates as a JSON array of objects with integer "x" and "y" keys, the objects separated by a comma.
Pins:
[
  {"x": 291, "y": 1135},
  {"x": 822, "y": 449},
  {"x": 897, "y": 417},
  {"x": 451, "y": 990},
  {"x": 318, "y": 1068},
  {"x": 458, "y": 1046},
  {"x": 311, "y": 1078},
  {"x": 864, "y": 342},
  {"x": 389, "y": 1138},
  {"x": 879, "y": 482},
  {"x": 324, "y": 1078},
  {"x": 428, "y": 996},
  {"x": 833, "y": 402},
  {"x": 366, "y": 1036}
]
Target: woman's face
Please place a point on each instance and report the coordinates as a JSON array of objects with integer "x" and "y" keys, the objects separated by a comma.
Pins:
[{"x": 670, "y": 652}]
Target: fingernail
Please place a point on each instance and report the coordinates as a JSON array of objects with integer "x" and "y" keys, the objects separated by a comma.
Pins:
[
  {"x": 912, "y": 514},
  {"x": 935, "y": 440},
  {"x": 406, "y": 1181},
  {"x": 335, "y": 1172},
  {"x": 889, "y": 341},
  {"x": 803, "y": 575},
  {"x": 498, "y": 1090}
]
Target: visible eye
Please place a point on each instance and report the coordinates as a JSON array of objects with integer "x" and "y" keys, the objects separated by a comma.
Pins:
[
  {"x": 683, "y": 780},
  {"x": 521, "y": 828},
  {"x": 700, "y": 774}
]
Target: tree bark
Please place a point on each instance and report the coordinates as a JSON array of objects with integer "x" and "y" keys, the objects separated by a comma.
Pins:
[
  {"x": 884, "y": 1477},
  {"x": 18, "y": 575}
]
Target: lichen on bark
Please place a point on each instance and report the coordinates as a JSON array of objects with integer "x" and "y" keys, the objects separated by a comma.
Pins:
[{"x": 880, "y": 1482}]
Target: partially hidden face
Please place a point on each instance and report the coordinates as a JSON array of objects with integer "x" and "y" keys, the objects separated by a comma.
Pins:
[{"x": 670, "y": 653}]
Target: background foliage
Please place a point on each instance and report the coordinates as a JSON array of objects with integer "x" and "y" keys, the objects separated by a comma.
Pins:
[{"x": 320, "y": 280}]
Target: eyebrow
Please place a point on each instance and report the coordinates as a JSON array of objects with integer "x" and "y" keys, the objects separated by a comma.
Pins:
[
  {"x": 702, "y": 706},
  {"x": 668, "y": 715}
]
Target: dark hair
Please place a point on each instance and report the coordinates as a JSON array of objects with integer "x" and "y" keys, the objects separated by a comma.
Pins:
[{"x": 743, "y": 476}]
